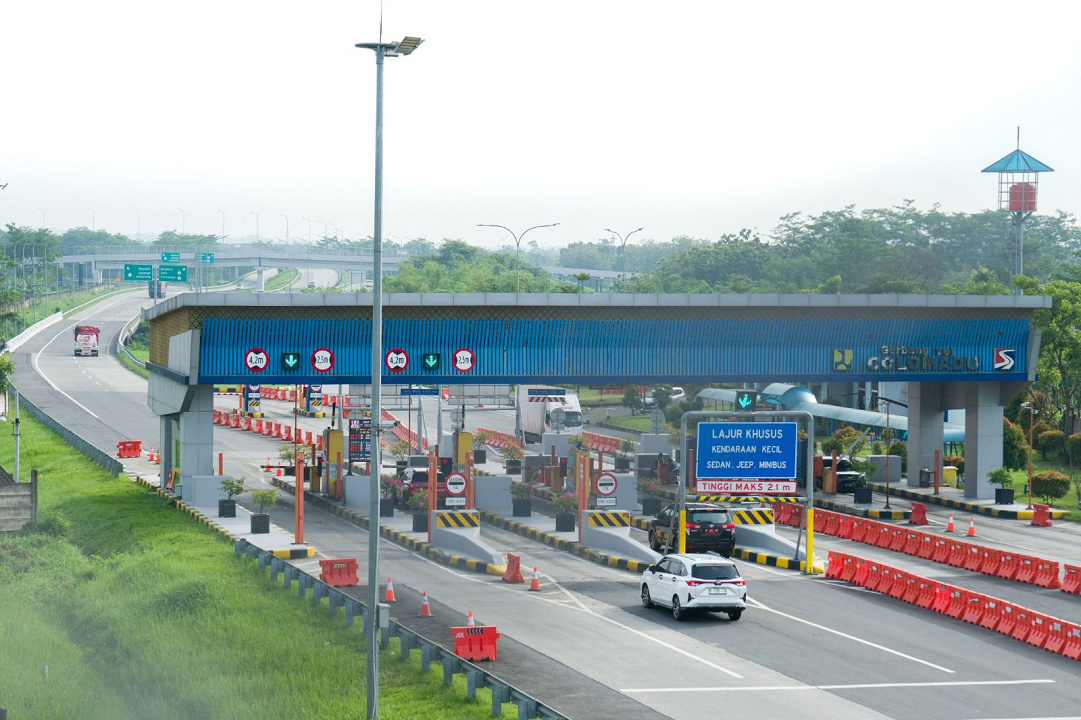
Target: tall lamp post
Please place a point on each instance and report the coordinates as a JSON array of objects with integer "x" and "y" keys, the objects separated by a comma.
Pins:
[
  {"x": 286, "y": 227},
  {"x": 1031, "y": 421},
  {"x": 309, "y": 229},
  {"x": 381, "y": 49},
  {"x": 256, "y": 226},
  {"x": 889, "y": 438},
  {"x": 93, "y": 220},
  {"x": 138, "y": 225},
  {"x": 222, "y": 224},
  {"x": 183, "y": 221},
  {"x": 622, "y": 245},
  {"x": 517, "y": 247},
  {"x": 43, "y": 224}
]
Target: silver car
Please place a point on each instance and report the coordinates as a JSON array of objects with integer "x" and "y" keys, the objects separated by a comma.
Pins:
[{"x": 695, "y": 581}]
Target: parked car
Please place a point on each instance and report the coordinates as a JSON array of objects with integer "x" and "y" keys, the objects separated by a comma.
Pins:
[
  {"x": 675, "y": 396},
  {"x": 419, "y": 481},
  {"x": 709, "y": 527},
  {"x": 695, "y": 581},
  {"x": 847, "y": 478}
]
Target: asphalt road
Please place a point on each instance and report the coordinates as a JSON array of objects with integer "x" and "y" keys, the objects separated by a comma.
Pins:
[{"x": 806, "y": 647}]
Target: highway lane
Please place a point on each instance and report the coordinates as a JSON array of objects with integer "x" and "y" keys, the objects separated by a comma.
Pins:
[{"x": 807, "y": 647}]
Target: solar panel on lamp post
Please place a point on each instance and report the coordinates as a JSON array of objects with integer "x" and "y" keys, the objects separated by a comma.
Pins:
[{"x": 381, "y": 49}]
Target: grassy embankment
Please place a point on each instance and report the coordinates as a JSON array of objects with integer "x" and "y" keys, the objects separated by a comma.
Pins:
[
  {"x": 138, "y": 611},
  {"x": 281, "y": 280}
]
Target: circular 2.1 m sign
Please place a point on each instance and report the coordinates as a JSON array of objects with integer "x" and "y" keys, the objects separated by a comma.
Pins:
[
  {"x": 455, "y": 483},
  {"x": 606, "y": 484},
  {"x": 255, "y": 360}
]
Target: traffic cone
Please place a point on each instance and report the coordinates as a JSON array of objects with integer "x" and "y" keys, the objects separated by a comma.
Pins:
[
  {"x": 534, "y": 584},
  {"x": 389, "y": 596},
  {"x": 971, "y": 528},
  {"x": 471, "y": 622},
  {"x": 157, "y": 457},
  {"x": 278, "y": 472},
  {"x": 425, "y": 608},
  {"x": 150, "y": 455},
  {"x": 949, "y": 525},
  {"x": 268, "y": 464}
]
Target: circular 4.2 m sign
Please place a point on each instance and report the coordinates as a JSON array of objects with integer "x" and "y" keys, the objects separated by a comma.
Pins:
[
  {"x": 255, "y": 359},
  {"x": 455, "y": 483},
  {"x": 396, "y": 360}
]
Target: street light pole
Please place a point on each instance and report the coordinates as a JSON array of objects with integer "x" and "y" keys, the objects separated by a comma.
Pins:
[
  {"x": 517, "y": 247},
  {"x": 93, "y": 220},
  {"x": 286, "y": 227},
  {"x": 183, "y": 221},
  {"x": 309, "y": 229},
  {"x": 43, "y": 223},
  {"x": 381, "y": 49},
  {"x": 256, "y": 226},
  {"x": 1031, "y": 412},
  {"x": 623, "y": 245}
]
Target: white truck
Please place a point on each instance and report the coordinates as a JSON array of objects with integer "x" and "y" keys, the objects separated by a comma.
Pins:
[
  {"x": 535, "y": 411},
  {"x": 86, "y": 340}
]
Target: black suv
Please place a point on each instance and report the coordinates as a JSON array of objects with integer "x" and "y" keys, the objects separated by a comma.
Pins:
[{"x": 709, "y": 527}]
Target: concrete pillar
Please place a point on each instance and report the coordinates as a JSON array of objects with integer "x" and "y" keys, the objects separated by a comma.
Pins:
[
  {"x": 196, "y": 434},
  {"x": 166, "y": 427},
  {"x": 259, "y": 279},
  {"x": 924, "y": 427},
  {"x": 983, "y": 438}
]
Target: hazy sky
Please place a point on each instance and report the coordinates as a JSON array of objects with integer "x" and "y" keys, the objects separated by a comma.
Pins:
[{"x": 685, "y": 118}]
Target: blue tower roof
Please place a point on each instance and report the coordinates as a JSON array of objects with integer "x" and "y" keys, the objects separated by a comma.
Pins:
[{"x": 1018, "y": 161}]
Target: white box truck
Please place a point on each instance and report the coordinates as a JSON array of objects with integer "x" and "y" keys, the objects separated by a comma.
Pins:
[{"x": 535, "y": 411}]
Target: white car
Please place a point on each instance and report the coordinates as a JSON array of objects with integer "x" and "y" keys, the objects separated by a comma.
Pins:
[
  {"x": 695, "y": 581},
  {"x": 675, "y": 396}
]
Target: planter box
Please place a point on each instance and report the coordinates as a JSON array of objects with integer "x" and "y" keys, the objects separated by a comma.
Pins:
[
  {"x": 386, "y": 507},
  {"x": 420, "y": 521},
  {"x": 861, "y": 496},
  {"x": 623, "y": 464},
  {"x": 514, "y": 467},
  {"x": 564, "y": 522},
  {"x": 480, "y": 456},
  {"x": 651, "y": 505},
  {"x": 290, "y": 471},
  {"x": 226, "y": 508},
  {"x": 1003, "y": 496},
  {"x": 521, "y": 507},
  {"x": 260, "y": 523}
]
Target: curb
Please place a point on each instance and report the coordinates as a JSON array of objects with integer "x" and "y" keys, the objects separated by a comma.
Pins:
[{"x": 966, "y": 506}]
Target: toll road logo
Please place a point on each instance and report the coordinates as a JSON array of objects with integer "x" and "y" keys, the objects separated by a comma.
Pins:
[
  {"x": 842, "y": 360},
  {"x": 1005, "y": 358}
]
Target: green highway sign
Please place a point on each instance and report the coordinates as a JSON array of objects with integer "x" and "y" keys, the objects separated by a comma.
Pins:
[
  {"x": 290, "y": 361},
  {"x": 173, "y": 273},
  {"x": 431, "y": 361},
  {"x": 138, "y": 272},
  {"x": 207, "y": 258},
  {"x": 170, "y": 257},
  {"x": 746, "y": 399}
]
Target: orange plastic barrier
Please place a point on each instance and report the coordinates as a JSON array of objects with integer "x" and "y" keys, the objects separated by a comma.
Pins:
[
  {"x": 874, "y": 576},
  {"x": 338, "y": 573},
  {"x": 258, "y": 427},
  {"x": 601, "y": 443},
  {"x": 475, "y": 642},
  {"x": 943, "y": 595},
  {"x": 796, "y": 519},
  {"x": 217, "y": 416},
  {"x": 957, "y": 602},
  {"x": 1056, "y": 635},
  {"x": 992, "y": 612},
  {"x": 833, "y": 564},
  {"x": 989, "y": 560},
  {"x": 957, "y": 553},
  {"x": 925, "y": 593},
  {"x": 883, "y": 536},
  {"x": 1039, "y": 627},
  {"x": 911, "y": 589},
  {"x": 247, "y": 424},
  {"x": 1072, "y": 648},
  {"x": 1046, "y": 574},
  {"x": 844, "y": 526},
  {"x": 781, "y": 512},
  {"x": 918, "y": 515},
  {"x": 896, "y": 583},
  {"x": 942, "y": 550},
  {"x": 307, "y": 437},
  {"x": 973, "y": 612},
  {"x": 1041, "y": 515},
  {"x": 926, "y": 549},
  {"x": 912, "y": 542},
  {"x": 1026, "y": 569},
  {"x": 1007, "y": 565},
  {"x": 1071, "y": 579},
  {"x": 287, "y": 436},
  {"x": 514, "y": 569},
  {"x": 973, "y": 558},
  {"x": 1022, "y": 623},
  {"x": 234, "y": 420},
  {"x": 832, "y": 521},
  {"x": 318, "y": 442},
  {"x": 862, "y": 572},
  {"x": 859, "y": 530},
  {"x": 129, "y": 448},
  {"x": 848, "y": 569}
]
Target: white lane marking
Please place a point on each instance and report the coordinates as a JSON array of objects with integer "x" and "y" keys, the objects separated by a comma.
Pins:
[
  {"x": 851, "y": 637},
  {"x": 855, "y": 686}
]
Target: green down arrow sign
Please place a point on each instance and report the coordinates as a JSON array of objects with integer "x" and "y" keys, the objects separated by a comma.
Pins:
[
  {"x": 746, "y": 399},
  {"x": 290, "y": 361}
]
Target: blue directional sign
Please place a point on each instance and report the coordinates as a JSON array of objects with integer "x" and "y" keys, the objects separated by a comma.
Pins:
[
  {"x": 420, "y": 391},
  {"x": 746, "y": 450}
]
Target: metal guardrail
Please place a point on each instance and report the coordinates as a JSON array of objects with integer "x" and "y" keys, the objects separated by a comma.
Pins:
[
  {"x": 122, "y": 339},
  {"x": 107, "y": 461},
  {"x": 430, "y": 651}
]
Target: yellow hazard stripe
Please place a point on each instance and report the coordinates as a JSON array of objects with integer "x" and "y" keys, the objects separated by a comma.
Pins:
[
  {"x": 609, "y": 519},
  {"x": 762, "y": 516},
  {"x": 468, "y": 519}
]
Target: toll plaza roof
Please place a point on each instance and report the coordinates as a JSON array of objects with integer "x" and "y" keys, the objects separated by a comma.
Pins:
[{"x": 602, "y": 338}]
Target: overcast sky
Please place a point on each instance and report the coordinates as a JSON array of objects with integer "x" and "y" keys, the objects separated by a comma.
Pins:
[{"x": 684, "y": 118}]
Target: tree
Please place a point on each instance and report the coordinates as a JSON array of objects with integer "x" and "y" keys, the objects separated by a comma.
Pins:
[
  {"x": 581, "y": 278},
  {"x": 1059, "y": 364},
  {"x": 1014, "y": 446}
]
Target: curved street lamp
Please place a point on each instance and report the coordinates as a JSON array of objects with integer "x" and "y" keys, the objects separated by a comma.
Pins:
[
  {"x": 623, "y": 245},
  {"x": 93, "y": 220},
  {"x": 256, "y": 226},
  {"x": 1031, "y": 412},
  {"x": 517, "y": 247}
]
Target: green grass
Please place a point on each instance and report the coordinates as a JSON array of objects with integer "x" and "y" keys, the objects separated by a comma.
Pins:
[
  {"x": 281, "y": 280},
  {"x": 138, "y": 611},
  {"x": 642, "y": 423}
]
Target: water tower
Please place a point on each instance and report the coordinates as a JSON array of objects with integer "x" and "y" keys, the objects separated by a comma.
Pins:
[{"x": 1018, "y": 181}]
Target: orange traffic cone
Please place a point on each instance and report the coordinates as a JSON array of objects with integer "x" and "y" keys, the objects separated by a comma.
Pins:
[
  {"x": 150, "y": 455},
  {"x": 268, "y": 464},
  {"x": 471, "y": 622},
  {"x": 949, "y": 525},
  {"x": 425, "y": 608},
  {"x": 971, "y": 528},
  {"x": 278, "y": 472},
  {"x": 389, "y": 596},
  {"x": 157, "y": 457},
  {"x": 534, "y": 584}
]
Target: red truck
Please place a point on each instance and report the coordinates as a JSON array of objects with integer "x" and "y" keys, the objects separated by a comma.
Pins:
[{"x": 86, "y": 340}]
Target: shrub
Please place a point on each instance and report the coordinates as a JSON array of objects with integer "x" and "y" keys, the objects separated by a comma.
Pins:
[
  {"x": 521, "y": 490},
  {"x": 1050, "y": 443},
  {"x": 1014, "y": 446},
  {"x": 418, "y": 501},
  {"x": 1002, "y": 477},
  {"x": 389, "y": 486},
  {"x": 626, "y": 447},
  {"x": 481, "y": 439},
  {"x": 1050, "y": 485},
  {"x": 512, "y": 452},
  {"x": 232, "y": 486},
  {"x": 1073, "y": 449},
  {"x": 264, "y": 498},
  {"x": 564, "y": 502},
  {"x": 900, "y": 449}
]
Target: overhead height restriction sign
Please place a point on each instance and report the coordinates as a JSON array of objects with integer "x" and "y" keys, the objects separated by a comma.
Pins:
[
  {"x": 746, "y": 450},
  {"x": 464, "y": 360},
  {"x": 455, "y": 483},
  {"x": 606, "y": 484},
  {"x": 322, "y": 360},
  {"x": 396, "y": 360},
  {"x": 255, "y": 360}
]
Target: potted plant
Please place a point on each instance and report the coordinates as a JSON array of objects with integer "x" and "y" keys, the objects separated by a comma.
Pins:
[
  {"x": 577, "y": 442},
  {"x": 649, "y": 494},
  {"x": 480, "y": 446},
  {"x": 400, "y": 450},
  {"x": 623, "y": 462},
  {"x": 289, "y": 453},
  {"x": 564, "y": 504},
  {"x": 521, "y": 494},
  {"x": 260, "y": 521},
  {"x": 231, "y": 487},
  {"x": 418, "y": 504},
  {"x": 513, "y": 455},
  {"x": 390, "y": 487},
  {"x": 1004, "y": 479}
]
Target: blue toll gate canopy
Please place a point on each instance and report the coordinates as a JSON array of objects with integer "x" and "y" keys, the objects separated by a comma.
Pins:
[{"x": 1018, "y": 162}]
